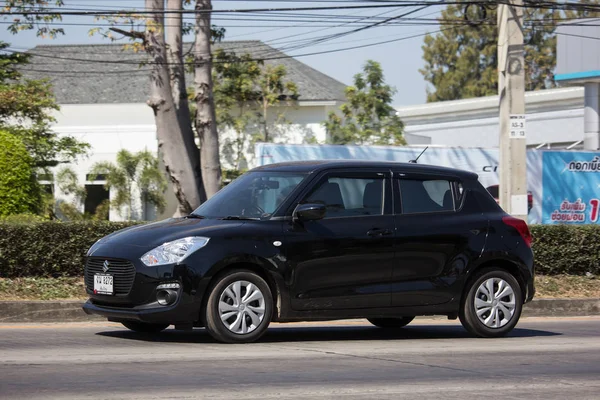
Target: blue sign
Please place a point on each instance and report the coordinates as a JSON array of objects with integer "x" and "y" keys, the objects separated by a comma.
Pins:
[{"x": 571, "y": 187}]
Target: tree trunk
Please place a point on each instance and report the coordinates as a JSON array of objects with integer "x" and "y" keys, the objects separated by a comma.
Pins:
[
  {"x": 174, "y": 25},
  {"x": 206, "y": 126},
  {"x": 265, "y": 110},
  {"x": 172, "y": 144}
]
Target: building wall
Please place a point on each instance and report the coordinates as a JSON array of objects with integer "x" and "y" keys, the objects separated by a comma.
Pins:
[
  {"x": 554, "y": 120},
  {"x": 108, "y": 128},
  {"x": 302, "y": 124},
  {"x": 546, "y": 127}
]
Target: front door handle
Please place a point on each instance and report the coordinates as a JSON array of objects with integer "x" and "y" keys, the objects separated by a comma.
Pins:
[{"x": 379, "y": 232}]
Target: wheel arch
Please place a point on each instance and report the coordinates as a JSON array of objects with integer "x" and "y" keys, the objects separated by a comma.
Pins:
[
  {"x": 253, "y": 266},
  {"x": 498, "y": 263}
]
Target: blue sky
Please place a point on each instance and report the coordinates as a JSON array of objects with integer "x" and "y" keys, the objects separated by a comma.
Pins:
[{"x": 401, "y": 60}]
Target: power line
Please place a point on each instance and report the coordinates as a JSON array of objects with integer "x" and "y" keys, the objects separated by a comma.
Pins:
[
  {"x": 62, "y": 11},
  {"x": 283, "y": 56}
]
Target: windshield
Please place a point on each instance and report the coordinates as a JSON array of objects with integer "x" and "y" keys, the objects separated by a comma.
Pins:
[{"x": 254, "y": 195}]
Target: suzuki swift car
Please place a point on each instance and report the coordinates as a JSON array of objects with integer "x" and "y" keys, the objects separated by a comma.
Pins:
[{"x": 320, "y": 240}]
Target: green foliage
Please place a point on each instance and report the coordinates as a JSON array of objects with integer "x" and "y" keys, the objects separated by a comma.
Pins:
[
  {"x": 22, "y": 219},
  {"x": 245, "y": 90},
  {"x": 140, "y": 170},
  {"x": 68, "y": 183},
  {"x": 461, "y": 61},
  {"x": 32, "y": 21},
  {"x": 230, "y": 175},
  {"x": 566, "y": 249},
  {"x": 49, "y": 249},
  {"x": 25, "y": 107},
  {"x": 273, "y": 90},
  {"x": 19, "y": 191},
  {"x": 367, "y": 117}
]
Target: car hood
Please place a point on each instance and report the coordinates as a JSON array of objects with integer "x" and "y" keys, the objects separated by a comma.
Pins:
[{"x": 157, "y": 233}]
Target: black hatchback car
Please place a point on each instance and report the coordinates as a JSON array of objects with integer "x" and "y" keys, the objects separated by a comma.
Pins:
[{"x": 320, "y": 240}]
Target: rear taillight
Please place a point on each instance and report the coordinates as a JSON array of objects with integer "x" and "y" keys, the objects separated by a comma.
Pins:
[{"x": 520, "y": 226}]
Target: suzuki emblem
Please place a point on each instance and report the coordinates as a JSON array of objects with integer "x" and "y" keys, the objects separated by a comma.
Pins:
[{"x": 105, "y": 266}]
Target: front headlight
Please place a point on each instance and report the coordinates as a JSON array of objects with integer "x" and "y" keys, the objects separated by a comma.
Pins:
[{"x": 174, "y": 252}]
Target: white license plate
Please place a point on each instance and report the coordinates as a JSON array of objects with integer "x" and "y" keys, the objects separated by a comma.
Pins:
[{"x": 103, "y": 284}]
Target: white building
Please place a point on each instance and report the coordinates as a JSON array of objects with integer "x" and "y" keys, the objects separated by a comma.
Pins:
[
  {"x": 102, "y": 92},
  {"x": 555, "y": 120}
]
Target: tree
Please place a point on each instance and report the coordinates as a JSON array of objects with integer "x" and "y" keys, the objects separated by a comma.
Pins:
[
  {"x": 245, "y": 90},
  {"x": 205, "y": 120},
  {"x": 367, "y": 117},
  {"x": 461, "y": 61},
  {"x": 133, "y": 173},
  {"x": 25, "y": 111},
  {"x": 272, "y": 90},
  {"x": 176, "y": 142},
  {"x": 234, "y": 89},
  {"x": 19, "y": 192}
]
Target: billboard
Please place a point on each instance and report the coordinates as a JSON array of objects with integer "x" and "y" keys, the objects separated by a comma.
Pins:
[{"x": 571, "y": 187}]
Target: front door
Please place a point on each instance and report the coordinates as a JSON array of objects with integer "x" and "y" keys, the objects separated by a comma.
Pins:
[{"x": 345, "y": 260}]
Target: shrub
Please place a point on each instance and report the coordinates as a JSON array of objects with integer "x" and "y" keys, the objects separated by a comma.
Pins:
[
  {"x": 49, "y": 249},
  {"x": 52, "y": 249},
  {"x": 566, "y": 249},
  {"x": 19, "y": 191}
]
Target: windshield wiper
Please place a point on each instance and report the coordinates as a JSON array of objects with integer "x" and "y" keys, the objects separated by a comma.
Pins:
[
  {"x": 195, "y": 216},
  {"x": 239, "y": 217}
]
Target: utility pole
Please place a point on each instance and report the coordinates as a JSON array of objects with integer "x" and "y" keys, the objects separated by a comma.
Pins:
[{"x": 511, "y": 88}]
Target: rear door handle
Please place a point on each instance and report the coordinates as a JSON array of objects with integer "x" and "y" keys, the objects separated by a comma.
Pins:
[{"x": 379, "y": 232}]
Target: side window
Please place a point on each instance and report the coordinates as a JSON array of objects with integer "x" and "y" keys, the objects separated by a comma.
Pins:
[
  {"x": 346, "y": 197},
  {"x": 422, "y": 196}
]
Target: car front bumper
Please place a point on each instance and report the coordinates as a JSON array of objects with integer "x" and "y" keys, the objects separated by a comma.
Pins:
[{"x": 183, "y": 311}]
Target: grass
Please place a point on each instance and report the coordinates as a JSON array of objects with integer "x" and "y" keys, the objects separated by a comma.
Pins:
[
  {"x": 42, "y": 289},
  {"x": 567, "y": 286},
  {"x": 560, "y": 286}
]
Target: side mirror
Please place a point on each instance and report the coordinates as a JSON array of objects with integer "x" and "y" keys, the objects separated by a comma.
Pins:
[{"x": 309, "y": 212}]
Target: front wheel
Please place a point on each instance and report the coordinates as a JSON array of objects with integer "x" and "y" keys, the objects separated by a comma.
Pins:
[
  {"x": 391, "y": 323},
  {"x": 144, "y": 327},
  {"x": 492, "y": 304},
  {"x": 239, "y": 308}
]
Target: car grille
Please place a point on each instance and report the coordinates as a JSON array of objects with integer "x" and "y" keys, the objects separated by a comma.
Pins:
[{"x": 123, "y": 272}]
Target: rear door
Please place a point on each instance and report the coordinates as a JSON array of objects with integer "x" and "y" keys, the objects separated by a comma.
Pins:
[
  {"x": 434, "y": 239},
  {"x": 345, "y": 260}
]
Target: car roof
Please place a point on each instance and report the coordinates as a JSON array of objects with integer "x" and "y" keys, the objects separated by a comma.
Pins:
[{"x": 321, "y": 165}]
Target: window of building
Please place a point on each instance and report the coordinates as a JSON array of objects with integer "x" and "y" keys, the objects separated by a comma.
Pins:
[
  {"x": 421, "y": 196},
  {"x": 95, "y": 196}
]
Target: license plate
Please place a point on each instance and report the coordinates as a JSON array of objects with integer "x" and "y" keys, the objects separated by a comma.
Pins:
[{"x": 103, "y": 284}]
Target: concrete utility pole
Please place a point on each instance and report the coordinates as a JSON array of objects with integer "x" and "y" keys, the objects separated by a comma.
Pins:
[{"x": 511, "y": 88}]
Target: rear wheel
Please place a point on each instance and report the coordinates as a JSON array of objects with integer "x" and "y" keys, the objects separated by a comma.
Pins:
[
  {"x": 144, "y": 327},
  {"x": 391, "y": 323},
  {"x": 239, "y": 308},
  {"x": 492, "y": 304}
]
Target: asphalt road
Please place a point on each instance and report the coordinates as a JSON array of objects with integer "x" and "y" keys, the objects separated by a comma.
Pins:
[{"x": 542, "y": 359}]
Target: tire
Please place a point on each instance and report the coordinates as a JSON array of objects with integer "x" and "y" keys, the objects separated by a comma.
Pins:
[
  {"x": 491, "y": 323},
  {"x": 232, "y": 319},
  {"x": 391, "y": 323},
  {"x": 143, "y": 327}
]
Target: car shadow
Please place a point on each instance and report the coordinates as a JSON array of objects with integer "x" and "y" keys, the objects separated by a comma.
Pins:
[{"x": 320, "y": 334}]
